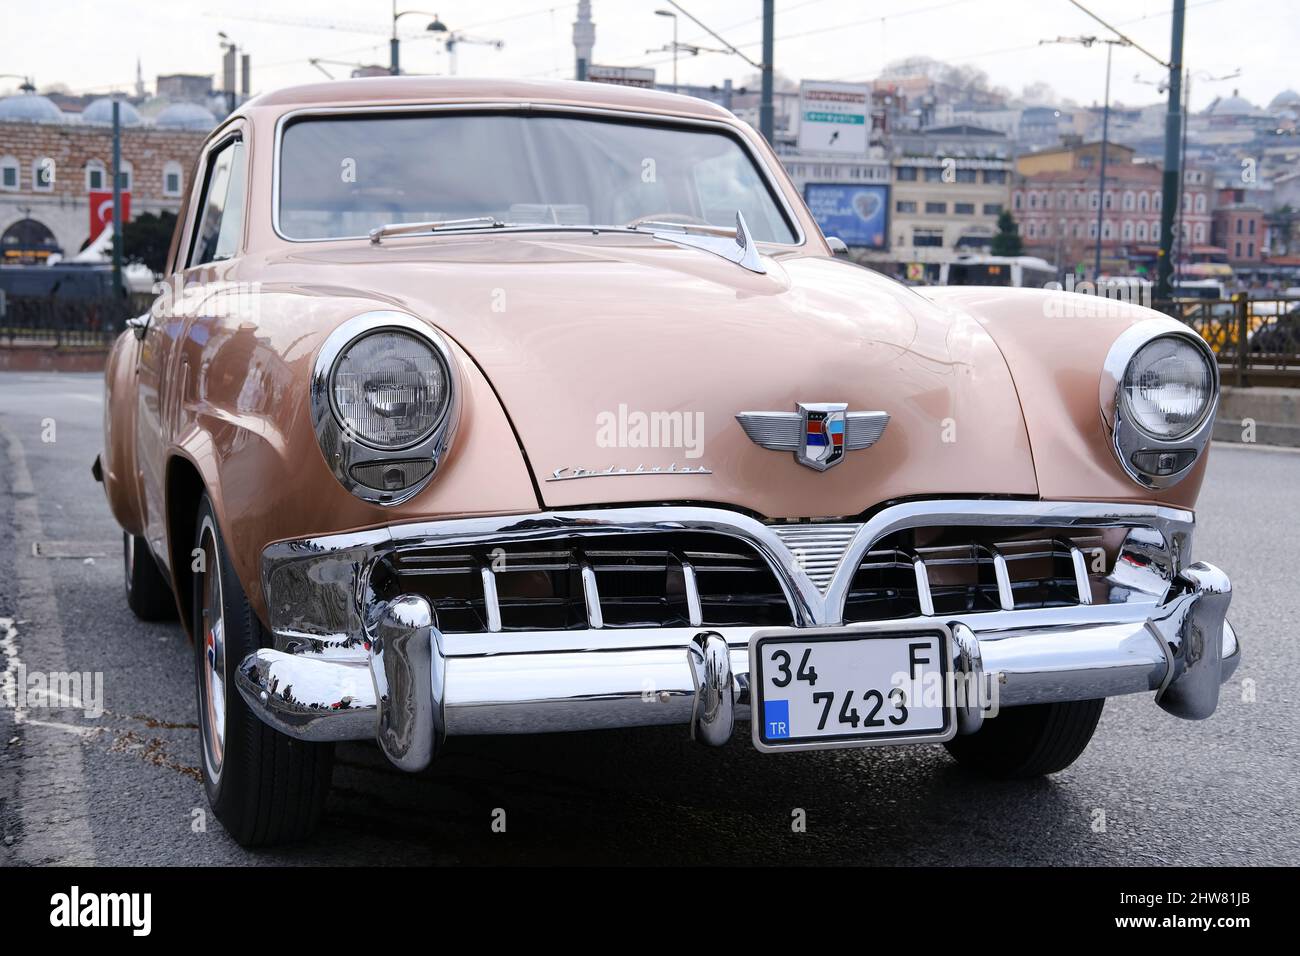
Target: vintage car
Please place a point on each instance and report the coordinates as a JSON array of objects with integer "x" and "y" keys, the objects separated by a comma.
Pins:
[{"x": 517, "y": 407}]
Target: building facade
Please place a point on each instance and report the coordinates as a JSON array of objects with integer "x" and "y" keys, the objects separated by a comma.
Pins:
[
  {"x": 1073, "y": 156},
  {"x": 950, "y": 184},
  {"x": 808, "y": 167},
  {"x": 1057, "y": 200},
  {"x": 1238, "y": 227},
  {"x": 48, "y": 171}
]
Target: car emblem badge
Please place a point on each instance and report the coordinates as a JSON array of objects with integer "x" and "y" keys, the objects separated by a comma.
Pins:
[
  {"x": 819, "y": 433},
  {"x": 822, "y": 435}
]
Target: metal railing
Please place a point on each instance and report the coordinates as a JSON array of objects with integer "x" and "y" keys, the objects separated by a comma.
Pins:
[
  {"x": 1257, "y": 341},
  {"x": 65, "y": 322}
]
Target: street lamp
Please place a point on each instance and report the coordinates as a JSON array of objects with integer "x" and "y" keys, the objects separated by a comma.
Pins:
[
  {"x": 669, "y": 13},
  {"x": 394, "y": 58}
]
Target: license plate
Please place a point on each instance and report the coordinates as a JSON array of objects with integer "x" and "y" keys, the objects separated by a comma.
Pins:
[{"x": 850, "y": 688}]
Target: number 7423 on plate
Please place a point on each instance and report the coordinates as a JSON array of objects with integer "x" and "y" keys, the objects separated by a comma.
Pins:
[{"x": 850, "y": 688}]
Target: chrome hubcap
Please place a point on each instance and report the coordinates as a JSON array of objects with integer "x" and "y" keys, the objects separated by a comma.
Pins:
[{"x": 212, "y": 681}]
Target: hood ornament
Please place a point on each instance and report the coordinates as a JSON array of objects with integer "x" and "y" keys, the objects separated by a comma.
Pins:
[
  {"x": 739, "y": 248},
  {"x": 819, "y": 433}
]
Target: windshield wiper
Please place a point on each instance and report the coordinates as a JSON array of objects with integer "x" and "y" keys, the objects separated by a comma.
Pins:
[
  {"x": 434, "y": 225},
  {"x": 657, "y": 225},
  {"x": 735, "y": 245}
]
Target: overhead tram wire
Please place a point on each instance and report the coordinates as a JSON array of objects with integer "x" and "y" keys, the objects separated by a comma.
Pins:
[
  {"x": 421, "y": 35},
  {"x": 851, "y": 23},
  {"x": 1030, "y": 46},
  {"x": 1119, "y": 33},
  {"x": 787, "y": 36}
]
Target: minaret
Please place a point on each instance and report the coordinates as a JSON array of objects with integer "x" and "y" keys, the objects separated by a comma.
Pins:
[
  {"x": 139, "y": 79},
  {"x": 584, "y": 38}
]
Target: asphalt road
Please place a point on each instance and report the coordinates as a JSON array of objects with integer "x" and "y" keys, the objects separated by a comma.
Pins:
[{"x": 124, "y": 788}]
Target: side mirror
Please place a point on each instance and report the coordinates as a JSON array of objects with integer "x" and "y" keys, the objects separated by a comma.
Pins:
[
  {"x": 837, "y": 245},
  {"x": 139, "y": 325}
]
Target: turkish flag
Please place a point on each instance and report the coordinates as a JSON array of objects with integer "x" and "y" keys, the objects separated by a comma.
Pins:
[{"x": 101, "y": 210}]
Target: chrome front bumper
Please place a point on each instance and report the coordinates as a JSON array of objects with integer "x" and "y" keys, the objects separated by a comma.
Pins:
[{"x": 396, "y": 677}]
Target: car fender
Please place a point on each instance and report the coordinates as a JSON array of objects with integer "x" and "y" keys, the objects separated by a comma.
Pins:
[{"x": 1055, "y": 344}]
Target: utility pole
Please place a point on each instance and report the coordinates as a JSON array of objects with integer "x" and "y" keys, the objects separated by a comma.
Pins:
[
  {"x": 1086, "y": 42},
  {"x": 117, "y": 199},
  {"x": 766, "y": 112},
  {"x": 1173, "y": 174},
  {"x": 1105, "y": 139},
  {"x": 1178, "y": 249}
]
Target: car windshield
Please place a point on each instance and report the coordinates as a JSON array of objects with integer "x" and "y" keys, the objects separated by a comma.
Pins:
[{"x": 341, "y": 176}]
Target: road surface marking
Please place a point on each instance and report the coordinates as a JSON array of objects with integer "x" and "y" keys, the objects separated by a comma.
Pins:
[{"x": 53, "y": 794}]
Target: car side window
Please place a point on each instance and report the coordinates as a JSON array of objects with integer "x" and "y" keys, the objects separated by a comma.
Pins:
[{"x": 221, "y": 209}]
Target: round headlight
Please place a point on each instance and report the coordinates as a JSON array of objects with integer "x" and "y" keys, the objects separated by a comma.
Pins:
[
  {"x": 1167, "y": 388},
  {"x": 390, "y": 388}
]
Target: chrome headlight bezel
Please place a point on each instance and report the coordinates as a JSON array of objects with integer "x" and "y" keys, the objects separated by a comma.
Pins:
[
  {"x": 1127, "y": 438},
  {"x": 344, "y": 451}
]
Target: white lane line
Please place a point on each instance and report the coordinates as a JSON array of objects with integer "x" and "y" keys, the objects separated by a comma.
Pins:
[
  {"x": 77, "y": 730},
  {"x": 9, "y": 676},
  {"x": 53, "y": 793},
  {"x": 1255, "y": 446}
]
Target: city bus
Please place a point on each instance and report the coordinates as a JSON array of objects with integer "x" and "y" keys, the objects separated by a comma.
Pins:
[
  {"x": 1200, "y": 289},
  {"x": 1019, "y": 272}
]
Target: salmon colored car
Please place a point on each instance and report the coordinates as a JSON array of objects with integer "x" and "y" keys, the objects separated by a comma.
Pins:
[{"x": 511, "y": 407}]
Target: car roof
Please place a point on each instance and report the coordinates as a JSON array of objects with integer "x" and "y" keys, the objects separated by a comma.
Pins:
[{"x": 378, "y": 90}]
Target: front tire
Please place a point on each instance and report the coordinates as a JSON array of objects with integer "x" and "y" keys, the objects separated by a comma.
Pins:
[
  {"x": 264, "y": 786},
  {"x": 148, "y": 594},
  {"x": 1029, "y": 741}
]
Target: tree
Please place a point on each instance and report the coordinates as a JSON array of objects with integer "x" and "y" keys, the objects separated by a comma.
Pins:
[
  {"x": 1006, "y": 242},
  {"x": 780, "y": 83},
  {"x": 964, "y": 86},
  {"x": 147, "y": 238},
  {"x": 1038, "y": 94}
]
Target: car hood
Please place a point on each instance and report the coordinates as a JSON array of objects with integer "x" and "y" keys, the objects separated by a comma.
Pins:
[{"x": 629, "y": 354}]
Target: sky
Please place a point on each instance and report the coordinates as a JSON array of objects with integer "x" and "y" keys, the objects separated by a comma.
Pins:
[{"x": 92, "y": 45}]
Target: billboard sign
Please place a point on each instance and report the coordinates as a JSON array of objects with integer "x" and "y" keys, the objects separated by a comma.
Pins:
[
  {"x": 833, "y": 116},
  {"x": 643, "y": 77},
  {"x": 858, "y": 214}
]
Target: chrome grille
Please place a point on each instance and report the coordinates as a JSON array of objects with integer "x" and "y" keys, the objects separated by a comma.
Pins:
[
  {"x": 817, "y": 548},
  {"x": 688, "y": 578},
  {"x": 607, "y": 581},
  {"x": 929, "y": 571},
  {"x": 732, "y": 567}
]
